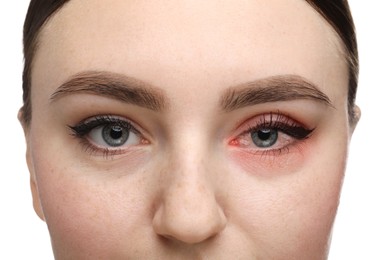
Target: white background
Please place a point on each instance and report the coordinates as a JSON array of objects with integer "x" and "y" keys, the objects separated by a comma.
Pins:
[{"x": 362, "y": 229}]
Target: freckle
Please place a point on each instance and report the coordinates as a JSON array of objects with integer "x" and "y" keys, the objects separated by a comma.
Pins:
[{"x": 201, "y": 188}]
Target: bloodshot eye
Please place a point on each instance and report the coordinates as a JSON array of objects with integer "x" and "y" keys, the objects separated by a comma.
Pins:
[{"x": 271, "y": 132}]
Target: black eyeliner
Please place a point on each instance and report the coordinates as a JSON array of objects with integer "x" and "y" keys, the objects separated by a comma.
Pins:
[
  {"x": 84, "y": 127},
  {"x": 282, "y": 123}
]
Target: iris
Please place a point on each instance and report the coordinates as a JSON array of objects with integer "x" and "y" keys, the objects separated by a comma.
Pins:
[
  {"x": 264, "y": 138},
  {"x": 115, "y": 135}
]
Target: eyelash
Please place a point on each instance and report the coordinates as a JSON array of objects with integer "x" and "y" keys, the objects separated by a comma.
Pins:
[
  {"x": 272, "y": 121},
  {"x": 277, "y": 122},
  {"x": 82, "y": 129}
]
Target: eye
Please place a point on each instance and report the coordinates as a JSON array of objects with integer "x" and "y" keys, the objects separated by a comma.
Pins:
[
  {"x": 113, "y": 135},
  {"x": 270, "y": 132},
  {"x": 107, "y": 133}
]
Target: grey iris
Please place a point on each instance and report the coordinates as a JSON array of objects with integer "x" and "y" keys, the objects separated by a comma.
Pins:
[
  {"x": 264, "y": 137},
  {"x": 115, "y": 135}
]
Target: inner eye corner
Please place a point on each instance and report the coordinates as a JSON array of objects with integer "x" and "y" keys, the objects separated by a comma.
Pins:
[{"x": 233, "y": 142}]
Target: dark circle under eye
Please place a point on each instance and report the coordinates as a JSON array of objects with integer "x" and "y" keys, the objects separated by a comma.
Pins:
[
  {"x": 115, "y": 135},
  {"x": 264, "y": 137}
]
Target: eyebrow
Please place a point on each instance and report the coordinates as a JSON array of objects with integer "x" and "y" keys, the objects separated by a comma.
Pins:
[
  {"x": 134, "y": 91},
  {"x": 272, "y": 89},
  {"x": 112, "y": 85}
]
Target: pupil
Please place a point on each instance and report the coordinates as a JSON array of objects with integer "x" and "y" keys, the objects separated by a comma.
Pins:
[
  {"x": 116, "y": 132},
  {"x": 115, "y": 135},
  {"x": 265, "y": 138},
  {"x": 264, "y": 134}
]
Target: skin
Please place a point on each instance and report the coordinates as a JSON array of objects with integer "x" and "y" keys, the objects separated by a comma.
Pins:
[{"x": 188, "y": 190}]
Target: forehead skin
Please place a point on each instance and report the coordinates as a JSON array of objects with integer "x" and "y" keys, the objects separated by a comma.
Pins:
[{"x": 173, "y": 44}]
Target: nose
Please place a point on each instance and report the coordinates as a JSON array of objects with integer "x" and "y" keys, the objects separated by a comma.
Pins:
[{"x": 188, "y": 211}]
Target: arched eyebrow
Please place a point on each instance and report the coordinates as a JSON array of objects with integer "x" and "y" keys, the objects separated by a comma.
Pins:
[
  {"x": 272, "y": 89},
  {"x": 134, "y": 91},
  {"x": 112, "y": 85}
]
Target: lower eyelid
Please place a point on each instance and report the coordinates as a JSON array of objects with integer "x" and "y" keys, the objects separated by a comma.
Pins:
[
  {"x": 105, "y": 152},
  {"x": 288, "y": 155},
  {"x": 269, "y": 153}
]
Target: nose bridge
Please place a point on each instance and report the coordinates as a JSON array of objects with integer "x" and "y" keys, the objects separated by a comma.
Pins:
[
  {"x": 188, "y": 154},
  {"x": 188, "y": 195},
  {"x": 189, "y": 182},
  {"x": 188, "y": 167},
  {"x": 188, "y": 211}
]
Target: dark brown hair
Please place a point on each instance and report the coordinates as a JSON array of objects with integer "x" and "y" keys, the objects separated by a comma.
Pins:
[{"x": 336, "y": 12}]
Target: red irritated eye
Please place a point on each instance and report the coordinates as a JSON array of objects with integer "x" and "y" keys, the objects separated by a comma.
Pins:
[{"x": 273, "y": 132}]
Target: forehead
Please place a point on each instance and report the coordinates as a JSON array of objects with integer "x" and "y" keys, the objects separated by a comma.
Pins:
[{"x": 183, "y": 40}]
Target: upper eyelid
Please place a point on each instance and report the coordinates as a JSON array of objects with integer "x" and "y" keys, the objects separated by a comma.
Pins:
[
  {"x": 143, "y": 127},
  {"x": 271, "y": 124},
  {"x": 267, "y": 118},
  {"x": 272, "y": 119},
  {"x": 100, "y": 120}
]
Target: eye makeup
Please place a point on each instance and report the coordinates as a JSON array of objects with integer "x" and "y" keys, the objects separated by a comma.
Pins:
[
  {"x": 270, "y": 134},
  {"x": 107, "y": 135}
]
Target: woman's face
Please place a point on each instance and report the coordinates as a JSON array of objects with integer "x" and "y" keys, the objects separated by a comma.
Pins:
[{"x": 188, "y": 129}]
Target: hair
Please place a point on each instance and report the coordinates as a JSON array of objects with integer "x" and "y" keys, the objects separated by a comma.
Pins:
[{"x": 336, "y": 12}]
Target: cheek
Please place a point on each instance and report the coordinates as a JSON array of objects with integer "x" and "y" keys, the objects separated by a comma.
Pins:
[
  {"x": 291, "y": 208},
  {"x": 85, "y": 213},
  {"x": 272, "y": 163}
]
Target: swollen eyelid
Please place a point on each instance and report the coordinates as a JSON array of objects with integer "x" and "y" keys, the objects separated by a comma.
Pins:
[{"x": 271, "y": 132}]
